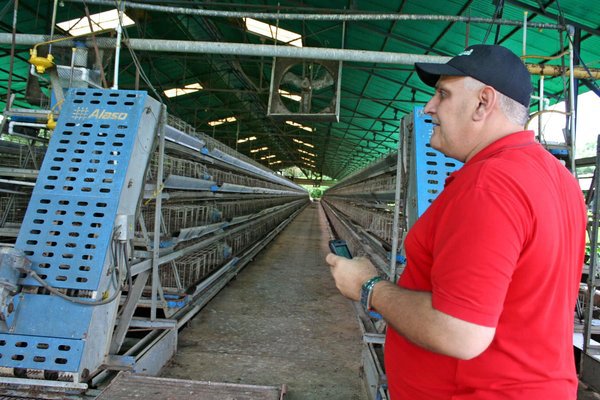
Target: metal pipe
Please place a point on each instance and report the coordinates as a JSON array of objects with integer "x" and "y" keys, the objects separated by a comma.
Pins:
[
  {"x": 541, "y": 106},
  {"x": 23, "y": 183},
  {"x": 119, "y": 28},
  {"x": 397, "y": 210},
  {"x": 12, "y": 124},
  {"x": 157, "y": 212},
  {"x": 321, "y": 16},
  {"x": 42, "y": 386},
  {"x": 557, "y": 70},
  {"x": 593, "y": 267},
  {"x": 572, "y": 100},
  {"x": 524, "y": 51},
  {"x": 180, "y": 46},
  {"x": 54, "y": 9},
  {"x": 13, "y": 42}
]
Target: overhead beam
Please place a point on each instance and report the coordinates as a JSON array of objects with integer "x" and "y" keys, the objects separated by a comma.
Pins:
[
  {"x": 182, "y": 46},
  {"x": 259, "y": 50},
  {"x": 548, "y": 14},
  {"x": 318, "y": 16}
]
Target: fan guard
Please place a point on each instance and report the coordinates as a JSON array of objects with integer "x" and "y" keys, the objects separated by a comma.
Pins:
[{"x": 315, "y": 84}]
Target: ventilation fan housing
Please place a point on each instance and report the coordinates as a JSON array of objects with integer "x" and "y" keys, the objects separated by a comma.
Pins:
[{"x": 306, "y": 90}]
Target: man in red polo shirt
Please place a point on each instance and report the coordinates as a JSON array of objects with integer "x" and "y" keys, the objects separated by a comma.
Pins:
[{"x": 484, "y": 308}]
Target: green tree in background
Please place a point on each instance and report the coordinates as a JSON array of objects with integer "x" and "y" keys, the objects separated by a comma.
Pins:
[{"x": 316, "y": 193}]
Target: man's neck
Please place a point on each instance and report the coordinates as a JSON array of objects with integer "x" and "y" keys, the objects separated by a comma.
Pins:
[{"x": 494, "y": 128}]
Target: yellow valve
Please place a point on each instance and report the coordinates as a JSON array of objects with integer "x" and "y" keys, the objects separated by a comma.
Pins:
[
  {"x": 51, "y": 124},
  {"x": 41, "y": 63}
]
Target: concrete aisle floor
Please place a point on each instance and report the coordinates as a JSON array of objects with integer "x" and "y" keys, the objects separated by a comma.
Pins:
[
  {"x": 587, "y": 393},
  {"x": 282, "y": 321}
]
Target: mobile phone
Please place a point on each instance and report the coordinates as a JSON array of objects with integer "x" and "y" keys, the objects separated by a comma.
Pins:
[{"x": 340, "y": 248}]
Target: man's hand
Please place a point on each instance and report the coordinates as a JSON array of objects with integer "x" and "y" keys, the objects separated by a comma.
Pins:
[
  {"x": 410, "y": 312},
  {"x": 349, "y": 275}
]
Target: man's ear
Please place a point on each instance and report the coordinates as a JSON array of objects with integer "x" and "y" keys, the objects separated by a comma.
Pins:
[{"x": 487, "y": 100}]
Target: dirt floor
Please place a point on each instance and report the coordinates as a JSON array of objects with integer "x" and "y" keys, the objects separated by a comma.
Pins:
[{"x": 282, "y": 321}]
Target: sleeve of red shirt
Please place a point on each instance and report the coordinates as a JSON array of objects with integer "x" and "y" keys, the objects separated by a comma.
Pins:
[{"x": 477, "y": 246}]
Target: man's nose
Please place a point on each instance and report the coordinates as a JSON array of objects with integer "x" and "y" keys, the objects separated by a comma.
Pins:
[{"x": 430, "y": 106}]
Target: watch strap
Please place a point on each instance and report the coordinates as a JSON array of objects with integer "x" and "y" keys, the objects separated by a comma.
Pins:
[{"x": 366, "y": 293}]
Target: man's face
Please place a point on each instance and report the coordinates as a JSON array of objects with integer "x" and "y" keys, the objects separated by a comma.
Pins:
[{"x": 451, "y": 108}]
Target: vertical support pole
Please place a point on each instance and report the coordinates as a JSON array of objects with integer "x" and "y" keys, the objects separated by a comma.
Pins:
[
  {"x": 397, "y": 206},
  {"x": 118, "y": 46},
  {"x": 541, "y": 107},
  {"x": 54, "y": 9},
  {"x": 237, "y": 133},
  {"x": 591, "y": 281},
  {"x": 572, "y": 100},
  {"x": 157, "y": 210},
  {"x": 524, "y": 51},
  {"x": 128, "y": 311},
  {"x": 9, "y": 97}
]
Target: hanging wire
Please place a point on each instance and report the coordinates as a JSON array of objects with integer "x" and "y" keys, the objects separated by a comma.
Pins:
[
  {"x": 116, "y": 275},
  {"x": 500, "y": 7},
  {"x": 497, "y": 12},
  {"x": 137, "y": 63}
]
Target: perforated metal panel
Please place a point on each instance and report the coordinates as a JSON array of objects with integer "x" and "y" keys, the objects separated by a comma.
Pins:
[
  {"x": 92, "y": 163},
  {"x": 430, "y": 167},
  {"x": 68, "y": 225},
  {"x": 55, "y": 354}
]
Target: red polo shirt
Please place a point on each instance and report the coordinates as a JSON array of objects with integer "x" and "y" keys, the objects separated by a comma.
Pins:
[{"x": 501, "y": 246}]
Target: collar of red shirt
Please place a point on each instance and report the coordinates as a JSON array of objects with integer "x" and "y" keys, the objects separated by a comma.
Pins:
[{"x": 517, "y": 139}]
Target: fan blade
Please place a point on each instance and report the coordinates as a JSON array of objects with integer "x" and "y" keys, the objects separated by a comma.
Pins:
[
  {"x": 292, "y": 79},
  {"x": 322, "y": 83},
  {"x": 306, "y": 101}
]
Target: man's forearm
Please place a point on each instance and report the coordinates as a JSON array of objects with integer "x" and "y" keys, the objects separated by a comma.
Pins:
[{"x": 411, "y": 314}]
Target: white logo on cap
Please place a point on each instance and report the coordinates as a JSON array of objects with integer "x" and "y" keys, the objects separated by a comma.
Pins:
[{"x": 466, "y": 53}]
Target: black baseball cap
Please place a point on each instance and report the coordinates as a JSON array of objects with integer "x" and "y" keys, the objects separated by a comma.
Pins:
[{"x": 493, "y": 65}]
